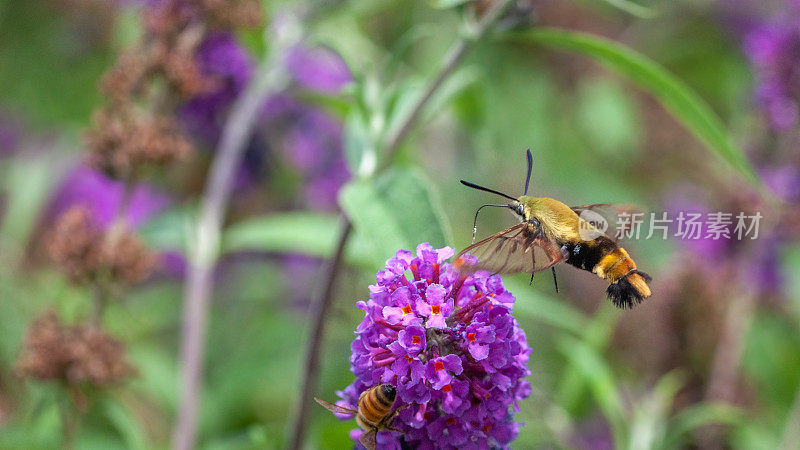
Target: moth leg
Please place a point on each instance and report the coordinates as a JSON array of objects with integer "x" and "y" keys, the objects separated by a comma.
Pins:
[
  {"x": 531, "y": 282},
  {"x": 555, "y": 280}
]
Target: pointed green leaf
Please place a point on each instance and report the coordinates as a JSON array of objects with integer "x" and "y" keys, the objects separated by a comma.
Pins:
[
  {"x": 674, "y": 94},
  {"x": 312, "y": 234},
  {"x": 396, "y": 210}
]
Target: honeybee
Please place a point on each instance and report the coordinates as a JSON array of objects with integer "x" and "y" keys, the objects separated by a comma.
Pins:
[
  {"x": 550, "y": 233},
  {"x": 374, "y": 412}
]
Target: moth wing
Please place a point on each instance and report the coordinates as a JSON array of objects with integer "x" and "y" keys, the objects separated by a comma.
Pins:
[
  {"x": 516, "y": 249},
  {"x": 614, "y": 216},
  {"x": 368, "y": 439},
  {"x": 332, "y": 407},
  {"x": 595, "y": 206}
]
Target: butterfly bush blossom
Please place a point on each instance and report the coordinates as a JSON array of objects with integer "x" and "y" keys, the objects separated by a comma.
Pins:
[
  {"x": 774, "y": 50},
  {"x": 449, "y": 344}
]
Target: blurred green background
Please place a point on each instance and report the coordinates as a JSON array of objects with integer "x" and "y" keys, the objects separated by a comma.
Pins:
[{"x": 655, "y": 109}]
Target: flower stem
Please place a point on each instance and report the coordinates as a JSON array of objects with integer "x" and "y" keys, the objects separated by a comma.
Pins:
[
  {"x": 724, "y": 382},
  {"x": 791, "y": 432},
  {"x": 319, "y": 317},
  {"x": 102, "y": 287},
  {"x": 269, "y": 78}
]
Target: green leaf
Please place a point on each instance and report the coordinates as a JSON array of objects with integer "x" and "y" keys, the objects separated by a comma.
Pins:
[
  {"x": 633, "y": 8},
  {"x": 596, "y": 334},
  {"x": 547, "y": 309},
  {"x": 168, "y": 230},
  {"x": 696, "y": 416},
  {"x": 446, "y": 4},
  {"x": 394, "y": 211},
  {"x": 675, "y": 95},
  {"x": 124, "y": 422},
  {"x": 649, "y": 419},
  {"x": 608, "y": 116},
  {"x": 450, "y": 89},
  {"x": 338, "y": 105},
  {"x": 27, "y": 184},
  {"x": 372, "y": 218},
  {"x": 308, "y": 233},
  {"x": 593, "y": 367},
  {"x": 359, "y": 147}
]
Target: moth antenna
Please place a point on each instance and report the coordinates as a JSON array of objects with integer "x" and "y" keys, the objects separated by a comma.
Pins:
[
  {"x": 531, "y": 282},
  {"x": 475, "y": 222},
  {"x": 555, "y": 280},
  {"x": 481, "y": 188},
  {"x": 530, "y": 170}
]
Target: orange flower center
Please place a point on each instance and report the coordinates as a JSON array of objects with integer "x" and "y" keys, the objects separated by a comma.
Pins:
[
  {"x": 406, "y": 309},
  {"x": 470, "y": 337},
  {"x": 415, "y": 340},
  {"x": 438, "y": 365},
  {"x": 447, "y": 388},
  {"x": 450, "y": 421},
  {"x": 486, "y": 428},
  {"x": 436, "y": 309}
]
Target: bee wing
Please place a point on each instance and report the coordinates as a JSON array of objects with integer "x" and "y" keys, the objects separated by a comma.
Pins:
[
  {"x": 368, "y": 440},
  {"x": 515, "y": 249},
  {"x": 332, "y": 407}
]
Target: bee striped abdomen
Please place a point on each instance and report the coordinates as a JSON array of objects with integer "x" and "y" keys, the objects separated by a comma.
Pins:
[
  {"x": 611, "y": 262},
  {"x": 375, "y": 403}
]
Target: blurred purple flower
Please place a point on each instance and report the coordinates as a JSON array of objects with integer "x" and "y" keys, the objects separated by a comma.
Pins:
[
  {"x": 593, "y": 434},
  {"x": 783, "y": 181},
  {"x": 318, "y": 68},
  {"x": 311, "y": 141},
  {"x": 766, "y": 268},
  {"x": 9, "y": 133},
  {"x": 225, "y": 61},
  {"x": 682, "y": 210},
  {"x": 102, "y": 196},
  {"x": 147, "y": 3},
  {"x": 460, "y": 377},
  {"x": 299, "y": 269},
  {"x": 774, "y": 50}
]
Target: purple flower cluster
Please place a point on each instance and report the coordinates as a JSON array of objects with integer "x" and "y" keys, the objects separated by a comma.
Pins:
[
  {"x": 449, "y": 344},
  {"x": 83, "y": 186},
  {"x": 774, "y": 50},
  {"x": 311, "y": 139}
]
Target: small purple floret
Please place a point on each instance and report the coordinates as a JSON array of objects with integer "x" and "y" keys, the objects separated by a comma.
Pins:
[{"x": 448, "y": 342}]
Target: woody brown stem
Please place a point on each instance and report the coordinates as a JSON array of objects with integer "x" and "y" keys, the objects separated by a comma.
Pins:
[{"x": 102, "y": 286}]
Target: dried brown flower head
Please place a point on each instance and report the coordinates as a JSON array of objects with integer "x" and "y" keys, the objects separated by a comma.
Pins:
[
  {"x": 74, "y": 244},
  {"x": 152, "y": 77},
  {"x": 126, "y": 257},
  {"x": 234, "y": 13},
  {"x": 85, "y": 253},
  {"x": 124, "y": 140},
  {"x": 82, "y": 353}
]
